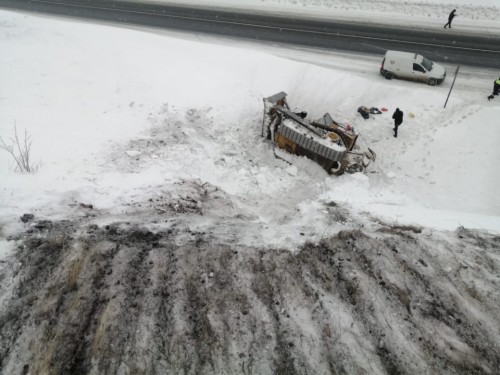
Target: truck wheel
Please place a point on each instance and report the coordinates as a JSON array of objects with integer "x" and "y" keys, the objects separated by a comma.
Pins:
[
  {"x": 389, "y": 75},
  {"x": 335, "y": 167},
  {"x": 431, "y": 82}
]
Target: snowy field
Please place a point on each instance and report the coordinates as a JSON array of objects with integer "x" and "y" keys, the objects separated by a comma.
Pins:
[
  {"x": 97, "y": 112},
  {"x": 391, "y": 271}
]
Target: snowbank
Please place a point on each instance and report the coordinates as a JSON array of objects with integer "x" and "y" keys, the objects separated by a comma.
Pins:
[{"x": 472, "y": 16}]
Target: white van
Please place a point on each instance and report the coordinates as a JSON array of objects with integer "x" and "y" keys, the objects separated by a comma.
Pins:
[{"x": 406, "y": 65}]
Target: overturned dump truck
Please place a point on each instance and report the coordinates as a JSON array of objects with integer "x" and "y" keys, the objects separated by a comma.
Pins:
[{"x": 325, "y": 141}]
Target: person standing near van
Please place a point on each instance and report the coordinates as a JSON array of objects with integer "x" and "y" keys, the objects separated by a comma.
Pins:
[
  {"x": 450, "y": 18},
  {"x": 398, "y": 120},
  {"x": 496, "y": 89}
]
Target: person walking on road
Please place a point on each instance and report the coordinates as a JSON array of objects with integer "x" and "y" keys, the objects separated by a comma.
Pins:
[
  {"x": 398, "y": 120},
  {"x": 450, "y": 18},
  {"x": 496, "y": 89}
]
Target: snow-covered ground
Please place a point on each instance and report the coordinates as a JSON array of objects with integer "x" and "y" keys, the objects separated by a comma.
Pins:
[
  {"x": 149, "y": 145},
  {"x": 97, "y": 100}
]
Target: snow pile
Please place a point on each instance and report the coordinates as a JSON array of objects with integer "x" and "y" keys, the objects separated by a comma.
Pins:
[{"x": 120, "y": 299}]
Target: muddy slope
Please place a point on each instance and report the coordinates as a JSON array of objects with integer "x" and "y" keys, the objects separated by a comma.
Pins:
[{"x": 120, "y": 299}]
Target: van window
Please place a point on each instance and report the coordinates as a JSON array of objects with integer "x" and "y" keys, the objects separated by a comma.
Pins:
[
  {"x": 427, "y": 64},
  {"x": 418, "y": 68}
]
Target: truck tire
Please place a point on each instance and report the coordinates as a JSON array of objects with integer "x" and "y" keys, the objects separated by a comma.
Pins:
[
  {"x": 335, "y": 167},
  {"x": 388, "y": 75}
]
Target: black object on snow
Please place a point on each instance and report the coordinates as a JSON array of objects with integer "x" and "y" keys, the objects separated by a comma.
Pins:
[{"x": 365, "y": 112}]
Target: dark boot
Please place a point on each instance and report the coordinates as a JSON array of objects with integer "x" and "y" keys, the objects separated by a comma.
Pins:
[{"x": 490, "y": 97}]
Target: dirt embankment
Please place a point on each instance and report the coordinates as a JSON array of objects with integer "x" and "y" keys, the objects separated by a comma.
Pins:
[{"x": 121, "y": 299}]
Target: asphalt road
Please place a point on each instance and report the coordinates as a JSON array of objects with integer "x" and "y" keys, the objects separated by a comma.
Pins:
[{"x": 442, "y": 46}]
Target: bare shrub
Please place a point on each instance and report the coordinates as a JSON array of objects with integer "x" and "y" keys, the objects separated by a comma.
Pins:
[{"x": 20, "y": 150}]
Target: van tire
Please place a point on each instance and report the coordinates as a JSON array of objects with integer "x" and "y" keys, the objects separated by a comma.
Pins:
[
  {"x": 432, "y": 82},
  {"x": 388, "y": 75}
]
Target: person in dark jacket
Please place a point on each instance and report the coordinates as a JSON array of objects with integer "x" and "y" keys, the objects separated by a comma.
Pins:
[
  {"x": 450, "y": 18},
  {"x": 496, "y": 89},
  {"x": 398, "y": 120}
]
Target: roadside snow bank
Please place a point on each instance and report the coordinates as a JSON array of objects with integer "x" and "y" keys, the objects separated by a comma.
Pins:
[
  {"x": 117, "y": 299},
  {"x": 472, "y": 16}
]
